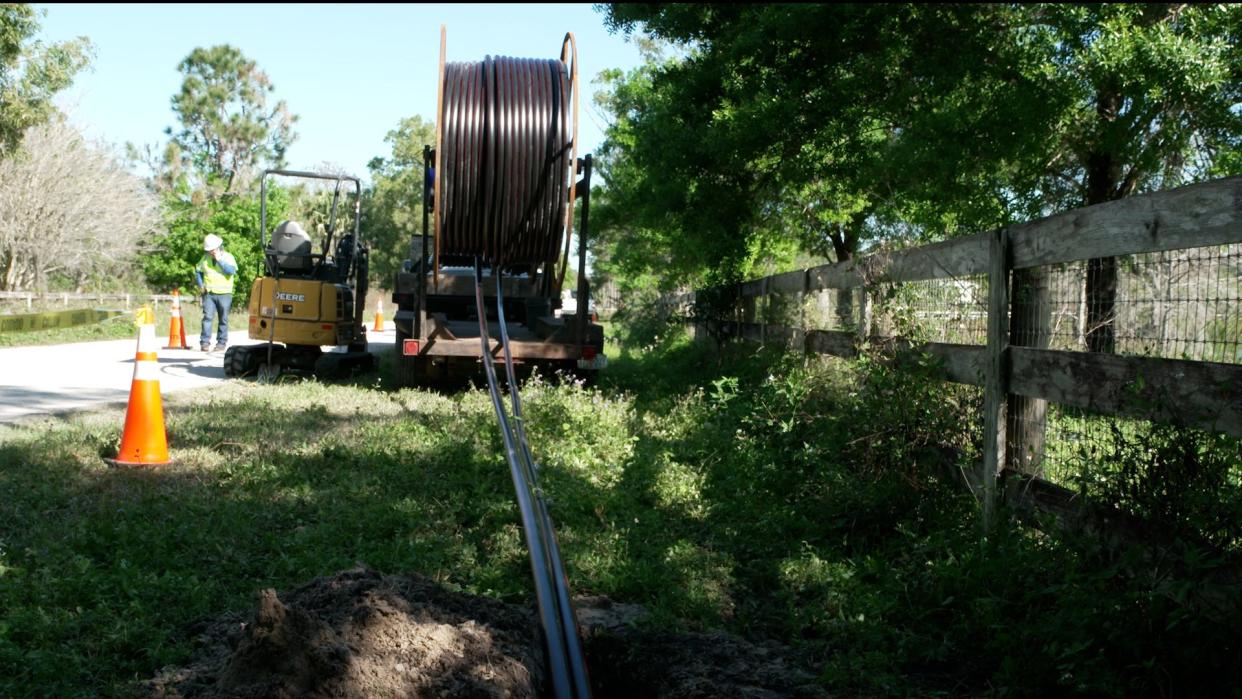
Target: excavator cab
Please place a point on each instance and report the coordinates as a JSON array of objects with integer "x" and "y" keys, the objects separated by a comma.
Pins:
[{"x": 306, "y": 301}]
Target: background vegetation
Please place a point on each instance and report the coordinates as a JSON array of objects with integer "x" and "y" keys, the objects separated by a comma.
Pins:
[
  {"x": 753, "y": 139},
  {"x": 755, "y": 132}
]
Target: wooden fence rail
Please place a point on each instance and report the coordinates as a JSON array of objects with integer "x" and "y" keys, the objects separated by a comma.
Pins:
[
  {"x": 65, "y": 297},
  {"x": 1206, "y": 395}
]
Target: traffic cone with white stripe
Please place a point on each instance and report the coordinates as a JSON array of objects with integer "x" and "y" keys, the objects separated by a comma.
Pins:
[
  {"x": 144, "y": 442},
  {"x": 379, "y": 316},
  {"x": 176, "y": 329}
]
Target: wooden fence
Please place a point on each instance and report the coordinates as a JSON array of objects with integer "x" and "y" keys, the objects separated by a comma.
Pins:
[
  {"x": 1200, "y": 394},
  {"x": 65, "y": 297}
]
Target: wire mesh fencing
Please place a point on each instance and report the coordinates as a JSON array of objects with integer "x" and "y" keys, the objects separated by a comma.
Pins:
[
  {"x": 1117, "y": 336},
  {"x": 1180, "y": 304}
]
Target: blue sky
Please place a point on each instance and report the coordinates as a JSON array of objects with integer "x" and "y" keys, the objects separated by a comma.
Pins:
[{"x": 349, "y": 71}]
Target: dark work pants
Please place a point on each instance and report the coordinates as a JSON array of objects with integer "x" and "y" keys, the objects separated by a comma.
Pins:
[{"x": 216, "y": 305}]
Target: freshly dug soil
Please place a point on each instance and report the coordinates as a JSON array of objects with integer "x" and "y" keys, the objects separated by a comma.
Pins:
[{"x": 362, "y": 634}]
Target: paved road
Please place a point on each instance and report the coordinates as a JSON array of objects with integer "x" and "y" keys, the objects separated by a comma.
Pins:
[{"x": 58, "y": 378}]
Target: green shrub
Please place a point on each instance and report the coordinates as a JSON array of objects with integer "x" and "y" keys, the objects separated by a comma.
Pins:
[
  {"x": 169, "y": 262},
  {"x": 641, "y": 322},
  {"x": 1184, "y": 483}
]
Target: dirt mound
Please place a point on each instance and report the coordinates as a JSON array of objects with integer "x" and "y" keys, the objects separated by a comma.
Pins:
[{"x": 362, "y": 634}]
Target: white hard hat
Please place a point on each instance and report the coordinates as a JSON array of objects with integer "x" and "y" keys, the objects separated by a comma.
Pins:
[{"x": 211, "y": 242}]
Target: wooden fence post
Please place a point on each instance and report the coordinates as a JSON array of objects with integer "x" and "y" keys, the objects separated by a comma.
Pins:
[
  {"x": 802, "y": 292},
  {"x": 864, "y": 314},
  {"x": 1030, "y": 325},
  {"x": 763, "y": 305},
  {"x": 734, "y": 312},
  {"x": 995, "y": 385}
]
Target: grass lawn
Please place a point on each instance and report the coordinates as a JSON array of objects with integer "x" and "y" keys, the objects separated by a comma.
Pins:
[{"x": 773, "y": 497}]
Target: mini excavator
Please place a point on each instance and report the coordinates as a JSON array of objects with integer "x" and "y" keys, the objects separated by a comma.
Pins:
[{"x": 307, "y": 300}]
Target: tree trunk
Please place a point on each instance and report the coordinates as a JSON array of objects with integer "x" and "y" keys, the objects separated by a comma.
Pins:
[
  {"x": 1101, "y": 304},
  {"x": 1030, "y": 325},
  {"x": 844, "y": 245},
  {"x": 9, "y": 276},
  {"x": 1103, "y": 171},
  {"x": 1031, "y": 319}
]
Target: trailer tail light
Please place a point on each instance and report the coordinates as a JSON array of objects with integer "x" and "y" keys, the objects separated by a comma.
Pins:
[
  {"x": 591, "y": 359},
  {"x": 409, "y": 347}
]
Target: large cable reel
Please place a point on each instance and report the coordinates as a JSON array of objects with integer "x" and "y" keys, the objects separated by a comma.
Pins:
[{"x": 506, "y": 135}]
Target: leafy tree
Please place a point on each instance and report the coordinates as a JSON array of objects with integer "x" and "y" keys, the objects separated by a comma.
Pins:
[
  {"x": 771, "y": 113},
  {"x": 228, "y": 132},
  {"x": 169, "y": 262},
  {"x": 31, "y": 73},
  {"x": 671, "y": 199},
  {"x": 1155, "y": 91},
  {"x": 392, "y": 207},
  {"x": 859, "y": 122},
  {"x": 848, "y": 123}
]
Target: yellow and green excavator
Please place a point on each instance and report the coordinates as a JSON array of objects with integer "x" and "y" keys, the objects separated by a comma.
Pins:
[{"x": 306, "y": 300}]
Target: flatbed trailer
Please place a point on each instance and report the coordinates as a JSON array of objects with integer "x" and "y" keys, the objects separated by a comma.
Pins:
[{"x": 436, "y": 320}]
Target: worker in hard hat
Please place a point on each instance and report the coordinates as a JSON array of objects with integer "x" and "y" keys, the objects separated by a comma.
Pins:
[{"x": 214, "y": 275}]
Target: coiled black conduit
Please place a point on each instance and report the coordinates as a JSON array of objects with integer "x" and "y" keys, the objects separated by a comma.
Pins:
[{"x": 505, "y": 165}]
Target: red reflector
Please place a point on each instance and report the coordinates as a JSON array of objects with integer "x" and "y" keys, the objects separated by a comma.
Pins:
[
  {"x": 409, "y": 347},
  {"x": 326, "y": 326},
  {"x": 588, "y": 353}
]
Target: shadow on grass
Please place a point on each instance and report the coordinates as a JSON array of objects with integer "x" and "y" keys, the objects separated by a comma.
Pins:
[{"x": 714, "y": 507}]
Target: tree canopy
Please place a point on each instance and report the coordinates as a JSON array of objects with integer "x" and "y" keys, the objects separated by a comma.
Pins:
[
  {"x": 835, "y": 125},
  {"x": 393, "y": 205},
  {"x": 70, "y": 214},
  {"x": 170, "y": 259},
  {"x": 31, "y": 72},
  {"x": 227, "y": 130},
  {"x": 208, "y": 170}
]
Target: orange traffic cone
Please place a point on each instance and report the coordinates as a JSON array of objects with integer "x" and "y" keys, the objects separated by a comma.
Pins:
[
  {"x": 176, "y": 329},
  {"x": 144, "y": 442},
  {"x": 379, "y": 316}
]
